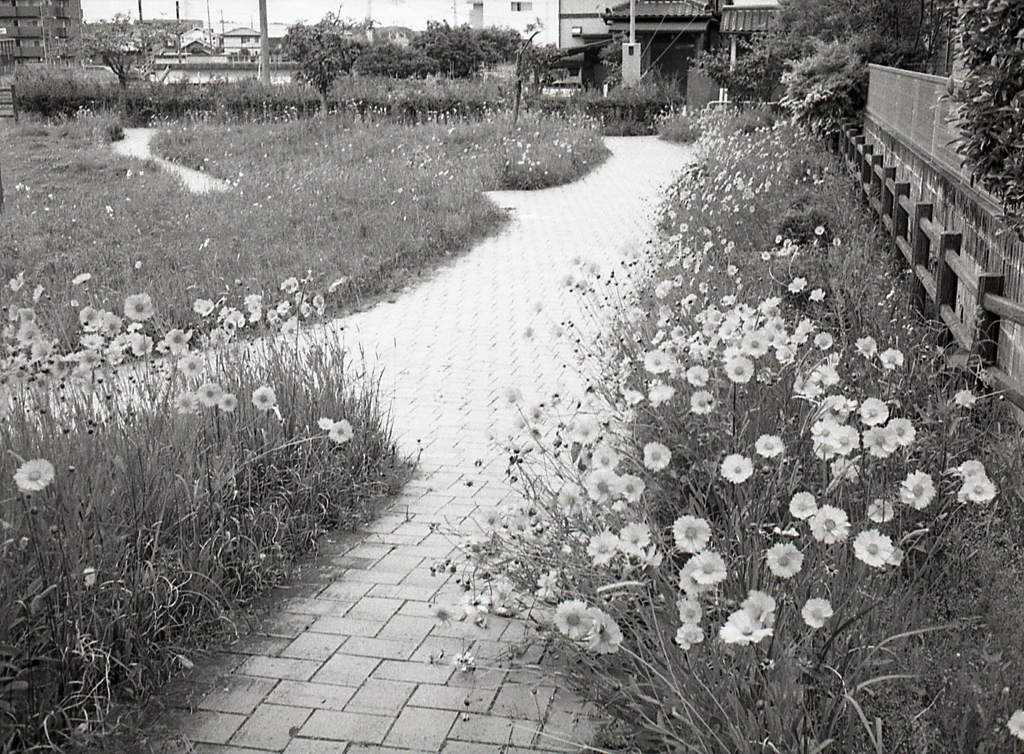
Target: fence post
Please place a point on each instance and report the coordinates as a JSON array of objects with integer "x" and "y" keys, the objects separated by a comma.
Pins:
[
  {"x": 986, "y": 331},
  {"x": 921, "y": 248},
  {"x": 14, "y": 102},
  {"x": 900, "y": 218},
  {"x": 946, "y": 280},
  {"x": 888, "y": 175},
  {"x": 876, "y": 179},
  {"x": 865, "y": 167},
  {"x": 856, "y": 143}
]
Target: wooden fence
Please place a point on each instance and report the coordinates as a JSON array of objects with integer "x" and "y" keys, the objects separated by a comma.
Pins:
[
  {"x": 9, "y": 103},
  {"x": 947, "y": 284}
]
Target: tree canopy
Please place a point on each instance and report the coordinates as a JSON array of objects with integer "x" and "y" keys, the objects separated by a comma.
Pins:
[
  {"x": 323, "y": 52},
  {"x": 123, "y": 46}
]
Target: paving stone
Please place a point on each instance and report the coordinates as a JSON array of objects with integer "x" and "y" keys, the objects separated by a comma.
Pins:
[
  {"x": 313, "y": 646},
  {"x": 237, "y": 693},
  {"x": 329, "y": 624},
  {"x": 381, "y": 697},
  {"x": 491, "y": 729},
  {"x": 408, "y": 628},
  {"x": 271, "y": 726},
  {"x": 523, "y": 702},
  {"x": 414, "y": 671},
  {"x": 378, "y": 609},
  {"x": 316, "y": 746},
  {"x": 460, "y": 699},
  {"x": 345, "y": 591},
  {"x": 420, "y": 729},
  {"x": 211, "y": 727},
  {"x": 279, "y": 667},
  {"x": 355, "y": 727},
  {"x": 388, "y": 649},
  {"x": 346, "y": 670},
  {"x": 311, "y": 695}
]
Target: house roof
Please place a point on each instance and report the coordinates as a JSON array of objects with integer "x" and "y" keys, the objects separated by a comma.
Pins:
[
  {"x": 660, "y": 9},
  {"x": 242, "y": 31},
  {"x": 746, "y": 20}
]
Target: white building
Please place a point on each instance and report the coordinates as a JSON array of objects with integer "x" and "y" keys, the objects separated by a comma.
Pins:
[{"x": 519, "y": 15}]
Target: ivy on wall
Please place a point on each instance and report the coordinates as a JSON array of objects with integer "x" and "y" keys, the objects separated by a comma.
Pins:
[{"x": 991, "y": 113}]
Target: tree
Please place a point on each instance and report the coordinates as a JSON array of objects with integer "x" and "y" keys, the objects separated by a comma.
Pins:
[
  {"x": 498, "y": 45},
  {"x": 323, "y": 52},
  {"x": 455, "y": 50},
  {"x": 125, "y": 48},
  {"x": 756, "y": 74},
  {"x": 394, "y": 61}
]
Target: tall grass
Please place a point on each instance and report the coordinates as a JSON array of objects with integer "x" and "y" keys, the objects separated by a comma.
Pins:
[{"x": 759, "y": 538}]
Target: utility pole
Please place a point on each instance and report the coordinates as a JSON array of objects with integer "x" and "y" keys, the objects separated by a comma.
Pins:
[
  {"x": 140, "y": 11},
  {"x": 264, "y": 45},
  {"x": 177, "y": 35},
  {"x": 631, "y": 52}
]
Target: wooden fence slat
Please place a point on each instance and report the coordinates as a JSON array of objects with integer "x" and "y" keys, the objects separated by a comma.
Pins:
[
  {"x": 865, "y": 166},
  {"x": 957, "y": 329},
  {"x": 946, "y": 277},
  {"x": 888, "y": 196},
  {"x": 1003, "y": 307},
  {"x": 900, "y": 219},
  {"x": 920, "y": 251},
  {"x": 964, "y": 272},
  {"x": 1011, "y": 388},
  {"x": 927, "y": 281},
  {"x": 931, "y": 229},
  {"x": 987, "y": 328}
]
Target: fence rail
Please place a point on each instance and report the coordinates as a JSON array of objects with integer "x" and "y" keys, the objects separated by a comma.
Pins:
[
  {"x": 9, "y": 102},
  {"x": 941, "y": 272}
]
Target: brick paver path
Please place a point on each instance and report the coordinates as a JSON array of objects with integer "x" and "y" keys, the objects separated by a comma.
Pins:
[{"x": 355, "y": 661}]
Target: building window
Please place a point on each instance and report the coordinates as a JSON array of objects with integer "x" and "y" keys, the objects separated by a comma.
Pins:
[{"x": 520, "y": 7}]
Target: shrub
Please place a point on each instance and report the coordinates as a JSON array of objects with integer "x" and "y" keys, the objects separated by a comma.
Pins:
[
  {"x": 682, "y": 128},
  {"x": 826, "y": 88}
]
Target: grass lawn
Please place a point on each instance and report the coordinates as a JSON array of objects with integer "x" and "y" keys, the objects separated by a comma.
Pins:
[{"x": 363, "y": 208}]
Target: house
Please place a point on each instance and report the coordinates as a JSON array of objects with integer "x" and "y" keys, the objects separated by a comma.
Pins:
[
  {"x": 671, "y": 33},
  {"x": 525, "y": 16},
  {"x": 38, "y": 27},
  {"x": 399, "y": 35},
  {"x": 745, "y": 19},
  {"x": 244, "y": 42}
]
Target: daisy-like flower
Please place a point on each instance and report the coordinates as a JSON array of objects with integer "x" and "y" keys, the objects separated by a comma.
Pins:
[
  {"x": 902, "y": 431},
  {"x": 601, "y": 484},
  {"x": 631, "y": 487},
  {"x": 769, "y": 446},
  {"x": 689, "y": 609},
  {"x": 34, "y": 476},
  {"x": 633, "y": 538},
  {"x": 736, "y": 468},
  {"x": 139, "y": 307},
  {"x": 1016, "y": 724},
  {"x": 797, "y": 285},
  {"x": 755, "y": 344},
  {"x": 702, "y": 403},
  {"x": 656, "y": 456},
  {"x": 340, "y": 431},
  {"x": 264, "y": 398},
  {"x": 570, "y": 499},
  {"x": 881, "y": 511},
  {"x": 658, "y": 361},
  {"x": 603, "y": 547},
  {"x": 203, "y": 307},
  {"x": 891, "y": 359},
  {"x": 191, "y": 365},
  {"x": 290, "y": 286},
  {"x": 708, "y": 568},
  {"x": 697, "y": 376},
  {"x": 176, "y": 341},
  {"x": 969, "y": 469},
  {"x": 817, "y": 295},
  {"x": 880, "y": 442},
  {"x": 547, "y": 583},
  {"x": 443, "y": 614},
  {"x": 784, "y": 560},
  {"x": 660, "y": 393},
  {"x": 604, "y": 457},
  {"x": 873, "y": 548},
  {"x": 89, "y": 576},
  {"x": 874, "y": 412},
  {"x": 977, "y": 489},
  {"x": 816, "y": 611},
  {"x": 605, "y": 636},
  {"x": 91, "y": 319},
  {"x": 965, "y": 399},
  {"x": 489, "y": 519},
  {"x": 228, "y": 402},
  {"x": 186, "y": 403},
  {"x": 866, "y": 347},
  {"x": 760, "y": 606},
  {"x": 689, "y": 634},
  {"x": 691, "y": 534},
  {"x": 830, "y": 525},
  {"x": 585, "y": 429},
  {"x": 572, "y": 619},
  {"x": 739, "y": 369},
  {"x": 210, "y": 394},
  {"x": 803, "y": 505},
  {"x": 917, "y": 490},
  {"x": 741, "y": 628},
  {"x": 845, "y": 439},
  {"x": 823, "y": 341}
]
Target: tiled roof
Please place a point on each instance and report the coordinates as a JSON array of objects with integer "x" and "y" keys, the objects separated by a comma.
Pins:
[
  {"x": 745, "y": 20},
  {"x": 659, "y": 9}
]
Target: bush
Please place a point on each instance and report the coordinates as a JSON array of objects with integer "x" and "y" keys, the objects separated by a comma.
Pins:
[
  {"x": 826, "y": 88},
  {"x": 682, "y": 128}
]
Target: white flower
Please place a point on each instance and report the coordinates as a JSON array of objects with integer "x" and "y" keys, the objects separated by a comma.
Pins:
[
  {"x": 89, "y": 577},
  {"x": 742, "y": 628},
  {"x": 708, "y": 568},
  {"x": 867, "y": 347},
  {"x": 769, "y": 446},
  {"x": 702, "y": 402},
  {"x": 823, "y": 341},
  {"x": 881, "y": 511},
  {"x": 817, "y": 295},
  {"x": 264, "y": 398},
  {"x": 697, "y": 376},
  {"x": 601, "y": 484},
  {"x": 830, "y": 525},
  {"x": 139, "y": 307},
  {"x": 803, "y": 505},
  {"x": 891, "y": 359},
  {"x": 660, "y": 393},
  {"x": 689, "y": 634},
  {"x": 797, "y": 285},
  {"x": 977, "y": 489},
  {"x": 689, "y": 609},
  {"x": 816, "y": 611},
  {"x": 691, "y": 534},
  {"x": 880, "y": 442},
  {"x": 191, "y": 365},
  {"x": 603, "y": 547},
  {"x": 874, "y": 412},
  {"x": 605, "y": 636},
  {"x": 760, "y": 606},
  {"x": 656, "y": 456},
  {"x": 633, "y": 538},
  {"x": 340, "y": 431},
  {"x": 917, "y": 490},
  {"x": 35, "y": 475},
  {"x": 186, "y": 403},
  {"x": 227, "y": 403},
  {"x": 585, "y": 429},
  {"x": 903, "y": 431},
  {"x": 873, "y": 548},
  {"x": 736, "y": 468},
  {"x": 965, "y": 399},
  {"x": 572, "y": 619},
  {"x": 547, "y": 583},
  {"x": 209, "y": 394},
  {"x": 784, "y": 560},
  {"x": 604, "y": 457},
  {"x": 739, "y": 369},
  {"x": 658, "y": 362},
  {"x": 290, "y": 286},
  {"x": 1016, "y": 724},
  {"x": 970, "y": 469},
  {"x": 631, "y": 487}
]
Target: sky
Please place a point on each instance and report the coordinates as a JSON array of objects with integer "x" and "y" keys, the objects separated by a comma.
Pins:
[{"x": 411, "y": 13}]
